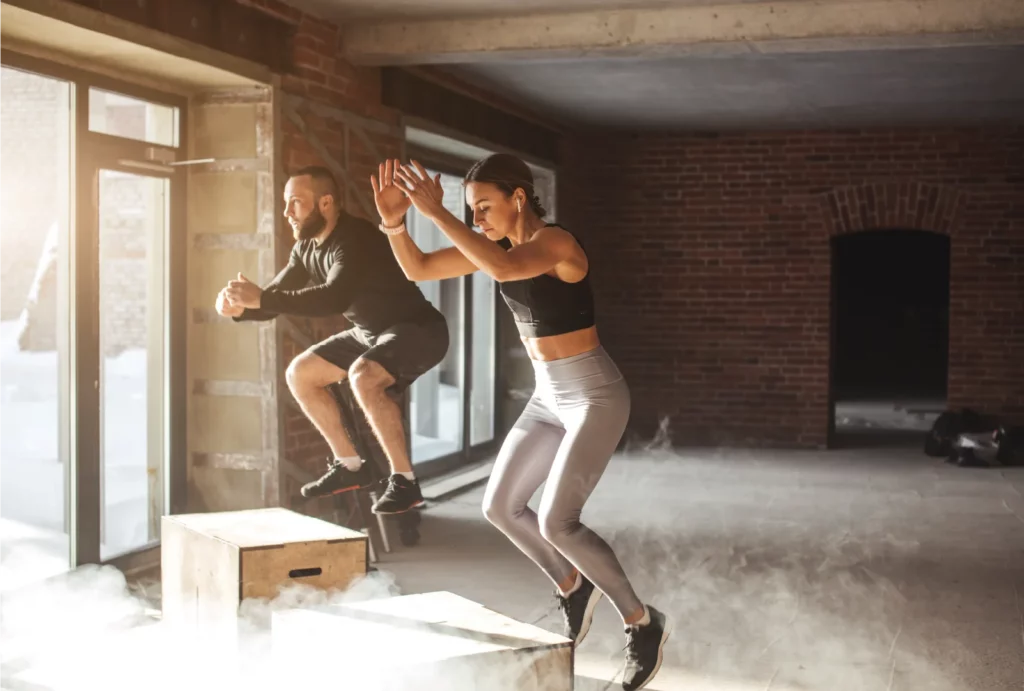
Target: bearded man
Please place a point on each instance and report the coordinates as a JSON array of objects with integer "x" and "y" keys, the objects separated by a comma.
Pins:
[{"x": 341, "y": 264}]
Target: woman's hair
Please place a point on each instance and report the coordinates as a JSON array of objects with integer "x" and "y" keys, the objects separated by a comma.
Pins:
[{"x": 506, "y": 172}]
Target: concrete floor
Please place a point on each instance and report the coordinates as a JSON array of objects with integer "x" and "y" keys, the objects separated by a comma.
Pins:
[
  {"x": 859, "y": 569},
  {"x": 868, "y": 568}
]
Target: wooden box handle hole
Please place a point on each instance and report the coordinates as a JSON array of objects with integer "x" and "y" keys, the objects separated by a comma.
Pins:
[{"x": 305, "y": 573}]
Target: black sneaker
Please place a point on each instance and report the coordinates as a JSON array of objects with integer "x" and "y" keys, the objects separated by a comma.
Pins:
[
  {"x": 578, "y": 609},
  {"x": 400, "y": 496},
  {"x": 338, "y": 479},
  {"x": 644, "y": 646}
]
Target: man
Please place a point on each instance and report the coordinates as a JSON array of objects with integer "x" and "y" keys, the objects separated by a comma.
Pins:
[{"x": 397, "y": 335}]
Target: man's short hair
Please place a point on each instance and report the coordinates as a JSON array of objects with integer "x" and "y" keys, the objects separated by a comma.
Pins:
[{"x": 323, "y": 181}]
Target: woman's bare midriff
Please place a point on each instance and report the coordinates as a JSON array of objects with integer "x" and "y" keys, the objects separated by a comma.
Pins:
[{"x": 548, "y": 348}]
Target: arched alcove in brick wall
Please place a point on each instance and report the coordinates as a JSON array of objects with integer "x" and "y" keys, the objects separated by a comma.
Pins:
[
  {"x": 920, "y": 206},
  {"x": 890, "y": 268}
]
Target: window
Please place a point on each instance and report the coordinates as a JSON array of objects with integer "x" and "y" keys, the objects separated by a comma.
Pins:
[
  {"x": 436, "y": 413},
  {"x": 85, "y": 327},
  {"x": 131, "y": 118},
  {"x": 461, "y": 387},
  {"x": 35, "y": 346}
]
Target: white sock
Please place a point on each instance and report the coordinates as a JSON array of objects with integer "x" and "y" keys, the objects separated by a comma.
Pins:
[
  {"x": 410, "y": 476},
  {"x": 353, "y": 463},
  {"x": 646, "y": 619}
]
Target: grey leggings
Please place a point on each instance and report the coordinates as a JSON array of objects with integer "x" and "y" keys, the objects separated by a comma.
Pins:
[{"x": 566, "y": 436}]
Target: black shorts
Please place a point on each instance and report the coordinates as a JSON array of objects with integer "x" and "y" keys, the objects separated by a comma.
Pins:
[{"x": 406, "y": 351}]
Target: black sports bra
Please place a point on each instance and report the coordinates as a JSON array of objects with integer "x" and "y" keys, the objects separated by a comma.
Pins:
[{"x": 548, "y": 306}]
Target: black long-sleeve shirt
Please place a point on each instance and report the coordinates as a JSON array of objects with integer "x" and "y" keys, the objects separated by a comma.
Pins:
[{"x": 353, "y": 272}]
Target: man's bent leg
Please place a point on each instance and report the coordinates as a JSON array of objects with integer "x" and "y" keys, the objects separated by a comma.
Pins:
[
  {"x": 309, "y": 376},
  {"x": 370, "y": 382},
  {"x": 398, "y": 357}
]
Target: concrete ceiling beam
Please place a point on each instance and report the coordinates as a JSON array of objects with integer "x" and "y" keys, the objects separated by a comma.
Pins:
[{"x": 791, "y": 25}]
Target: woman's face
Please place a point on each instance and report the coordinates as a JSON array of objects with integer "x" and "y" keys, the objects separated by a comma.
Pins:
[{"x": 494, "y": 212}]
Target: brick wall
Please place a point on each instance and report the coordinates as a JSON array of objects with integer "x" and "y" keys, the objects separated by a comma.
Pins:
[
  {"x": 712, "y": 265},
  {"x": 232, "y": 375},
  {"x": 331, "y": 115}
]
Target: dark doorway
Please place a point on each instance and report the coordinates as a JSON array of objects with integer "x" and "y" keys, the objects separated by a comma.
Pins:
[{"x": 890, "y": 339}]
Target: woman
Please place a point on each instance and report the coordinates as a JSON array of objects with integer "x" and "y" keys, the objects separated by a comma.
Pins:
[{"x": 575, "y": 419}]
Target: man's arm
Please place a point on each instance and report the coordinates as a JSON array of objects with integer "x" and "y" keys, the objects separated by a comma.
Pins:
[
  {"x": 292, "y": 276},
  {"x": 333, "y": 296}
]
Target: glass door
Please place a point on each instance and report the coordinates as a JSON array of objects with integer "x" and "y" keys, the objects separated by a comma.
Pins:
[
  {"x": 436, "y": 410},
  {"x": 483, "y": 350},
  {"x": 133, "y": 223},
  {"x": 130, "y": 321},
  {"x": 452, "y": 407}
]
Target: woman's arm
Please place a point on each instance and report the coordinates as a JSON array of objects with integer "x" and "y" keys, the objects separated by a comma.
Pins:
[
  {"x": 547, "y": 248},
  {"x": 392, "y": 204},
  {"x": 429, "y": 266}
]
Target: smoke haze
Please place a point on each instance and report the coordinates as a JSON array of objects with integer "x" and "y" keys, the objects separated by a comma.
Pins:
[{"x": 780, "y": 576}]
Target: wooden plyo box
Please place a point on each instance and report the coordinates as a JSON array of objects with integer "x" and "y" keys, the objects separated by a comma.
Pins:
[
  {"x": 430, "y": 641},
  {"x": 212, "y": 562}
]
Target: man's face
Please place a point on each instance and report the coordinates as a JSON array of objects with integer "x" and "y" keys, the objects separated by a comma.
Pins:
[{"x": 302, "y": 208}]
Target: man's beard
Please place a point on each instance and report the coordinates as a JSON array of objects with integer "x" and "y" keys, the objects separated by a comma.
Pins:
[{"x": 313, "y": 224}]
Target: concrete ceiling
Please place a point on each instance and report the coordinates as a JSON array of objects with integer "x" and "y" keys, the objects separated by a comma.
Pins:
[
  {"x": 834, "y": 89},
  {"x": 702, "y": 64},
  {"x": 374, "y": 10}
]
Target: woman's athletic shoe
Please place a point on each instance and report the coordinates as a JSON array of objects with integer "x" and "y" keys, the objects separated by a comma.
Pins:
[
  {"x": 644, "y": 648},
  {"x": 578, "y": 609}
]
